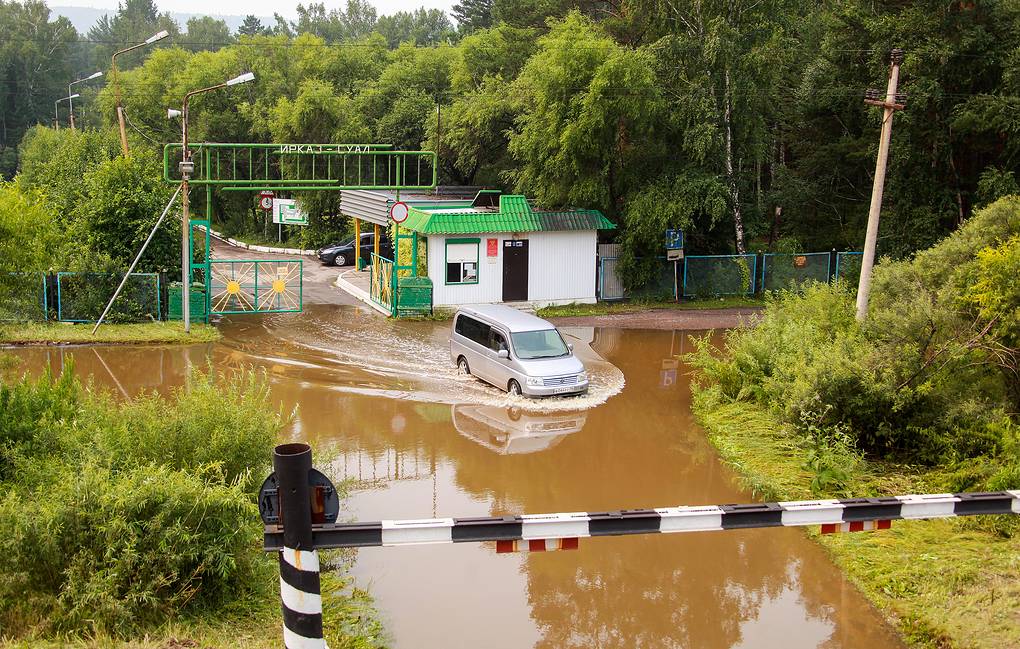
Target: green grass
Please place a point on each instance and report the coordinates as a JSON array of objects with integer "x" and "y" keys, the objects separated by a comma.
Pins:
[
  {"x": 349, "y": 622},
  {"x": 634, "y": 306},
  {"x": 943, "y": 583},
  {"x": 59, "y": 333}
]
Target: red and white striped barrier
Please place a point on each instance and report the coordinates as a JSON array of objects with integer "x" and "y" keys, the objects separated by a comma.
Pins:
[{"x": 666, "y": 520}]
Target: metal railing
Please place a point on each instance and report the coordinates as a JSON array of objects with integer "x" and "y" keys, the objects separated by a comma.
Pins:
[
  {"x": 382, "y": 280},
  {"x": 245, "y": 167}
]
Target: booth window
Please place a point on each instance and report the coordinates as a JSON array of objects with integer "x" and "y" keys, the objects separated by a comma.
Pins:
[{"x": 462, "y": 261}]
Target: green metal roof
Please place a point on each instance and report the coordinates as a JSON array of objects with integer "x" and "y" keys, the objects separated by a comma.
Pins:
[{"x": 514, "y": 215}]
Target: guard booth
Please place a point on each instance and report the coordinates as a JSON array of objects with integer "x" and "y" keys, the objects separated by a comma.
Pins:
[{"x": 400, "y": 286}]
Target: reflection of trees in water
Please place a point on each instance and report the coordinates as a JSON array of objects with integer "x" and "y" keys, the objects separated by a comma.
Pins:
[{"x": 657, "y": 590}]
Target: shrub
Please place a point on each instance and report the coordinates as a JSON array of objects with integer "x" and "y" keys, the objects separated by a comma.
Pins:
[
  {"x": 100, "y": 550},
  {"x": 116, "y": 516}
]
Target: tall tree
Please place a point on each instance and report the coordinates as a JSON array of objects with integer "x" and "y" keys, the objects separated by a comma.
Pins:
[
  {"x": 36, "y": 63},
  {"x": 207, "y": 33},
  {"x": 135, "y": 21},
  {"x": 588, "y": 112},
  {"x": 251, "y": 26},
  {"x": 422, "y": 27},
  {"x": 472, "y": 15}
]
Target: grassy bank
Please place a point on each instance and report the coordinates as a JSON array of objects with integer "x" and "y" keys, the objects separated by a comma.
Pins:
[
  {"x": 634, "y": 306},
  {"x": 144, "y": 333},
  {"x": 942, "y": 583}
]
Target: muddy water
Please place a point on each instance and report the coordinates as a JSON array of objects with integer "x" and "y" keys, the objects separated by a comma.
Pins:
[{"x": 422, "y": 441}]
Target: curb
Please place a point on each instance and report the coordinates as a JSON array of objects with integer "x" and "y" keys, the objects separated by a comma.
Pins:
[
  {"x": 357, "y": 293},
  {"x": 249, "y": 246}
]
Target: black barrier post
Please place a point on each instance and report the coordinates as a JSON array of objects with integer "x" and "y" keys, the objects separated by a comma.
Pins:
[{"x": 300, "y": 590}]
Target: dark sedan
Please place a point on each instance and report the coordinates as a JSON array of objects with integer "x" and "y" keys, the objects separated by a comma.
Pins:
[{"x": 342, "y": 254}]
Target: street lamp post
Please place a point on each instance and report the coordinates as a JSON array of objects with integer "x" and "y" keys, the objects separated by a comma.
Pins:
[
  {"x": 116, "y": 84},
  {"x": 70, "y": 104},
  {"x": 187, "y": 167},
  {"x": 56, "y": 105}
]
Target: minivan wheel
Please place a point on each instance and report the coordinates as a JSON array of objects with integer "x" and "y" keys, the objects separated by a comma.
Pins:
[
  {"x": 514, "y": 388},
  {"x": 462, "y": 365},
  {"x": 339, "y": 260}
]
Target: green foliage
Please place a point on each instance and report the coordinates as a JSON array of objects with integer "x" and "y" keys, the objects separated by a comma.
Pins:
[
  {"x": 29, "y": 238},
  {"x": 117, "y": 517},
  {"x": 36, "y": 62},
  {"x": 586, "y": 146},
  {"x": 929, "y": 379},
  {"x": 122, "y": 200}
]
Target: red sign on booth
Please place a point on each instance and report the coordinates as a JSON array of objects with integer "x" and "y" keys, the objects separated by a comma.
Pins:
[{"x": 492, "y": 247}]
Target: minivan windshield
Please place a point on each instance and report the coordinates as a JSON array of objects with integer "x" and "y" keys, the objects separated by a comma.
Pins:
[{"x": 546, "y": 343}]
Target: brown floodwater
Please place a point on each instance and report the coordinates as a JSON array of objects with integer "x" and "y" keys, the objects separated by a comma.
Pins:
[{"x": 422, "y": 442}]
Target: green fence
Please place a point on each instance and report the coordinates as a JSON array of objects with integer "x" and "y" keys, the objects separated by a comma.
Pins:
[
  {"x": 710, "y": 275},
  {"x": 23, "y": 297},
  {"x": 782, "y": 271},
  {"x": 81, "y": 297},
  {"x": 848, "y": 266}
]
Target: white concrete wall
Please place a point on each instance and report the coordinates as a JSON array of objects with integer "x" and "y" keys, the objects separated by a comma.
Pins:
[{"x": 561, "y": 269}]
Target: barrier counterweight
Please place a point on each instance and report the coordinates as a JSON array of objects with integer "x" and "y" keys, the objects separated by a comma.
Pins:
[{"x": 300, "y": 590}]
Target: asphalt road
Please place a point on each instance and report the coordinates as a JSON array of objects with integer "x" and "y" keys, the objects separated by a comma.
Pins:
[{"x": 317, "y": 279}]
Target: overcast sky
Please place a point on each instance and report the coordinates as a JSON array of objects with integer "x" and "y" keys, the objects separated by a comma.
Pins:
[{"x": 259, "y": 7}]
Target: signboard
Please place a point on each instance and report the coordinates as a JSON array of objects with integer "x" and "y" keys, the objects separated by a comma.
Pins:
[
  {"x": 674, "y": 254},
  {"x": 492, "y": 248},
  {"x": 674, "y": 239},
  {"x": 399, "y": 212},
  {"x": 266, "y": 201},
  {"x": 287, "y": 212}
]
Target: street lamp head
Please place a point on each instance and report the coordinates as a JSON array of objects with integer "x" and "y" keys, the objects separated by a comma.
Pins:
[
  {"x": 244, "y": 78},
  {"x": 94, "y": 75},
  {"x": 171, "y": 113},
  {"x": 157, "y": 37},
  {"x": 74, "y": 96}
]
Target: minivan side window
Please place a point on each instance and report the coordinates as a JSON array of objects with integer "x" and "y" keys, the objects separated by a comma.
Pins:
[
  {"x": 497, "y": 341},
  {"x": 472, "y": 329}
]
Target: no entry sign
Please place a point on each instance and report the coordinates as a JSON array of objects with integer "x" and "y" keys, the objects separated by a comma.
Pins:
[{"x": 399, "y": 211}]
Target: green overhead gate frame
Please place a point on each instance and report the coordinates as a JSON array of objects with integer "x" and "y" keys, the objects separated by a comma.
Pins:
[{"x": 294, "y": 167}]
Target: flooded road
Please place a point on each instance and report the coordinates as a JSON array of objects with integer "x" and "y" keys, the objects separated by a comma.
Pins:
[{"x": 423, "y": 441}]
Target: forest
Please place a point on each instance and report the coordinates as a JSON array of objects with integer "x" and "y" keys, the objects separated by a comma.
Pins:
[{"x": 741, "y": 122}]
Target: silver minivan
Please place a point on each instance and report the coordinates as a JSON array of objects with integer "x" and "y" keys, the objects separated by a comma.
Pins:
[{"x": 515, "y": 351}]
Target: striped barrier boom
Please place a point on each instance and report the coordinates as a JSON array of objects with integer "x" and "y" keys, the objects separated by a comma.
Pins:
[{"x": 704, "y": 518}]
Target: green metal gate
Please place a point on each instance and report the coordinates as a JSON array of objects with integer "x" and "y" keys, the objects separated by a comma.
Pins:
[{"x": 255, "y": 286}]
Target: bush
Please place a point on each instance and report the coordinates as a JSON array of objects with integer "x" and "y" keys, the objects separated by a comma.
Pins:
[
  {"x": 929, "y": 379},
  {"x": 116, "y": 517}
]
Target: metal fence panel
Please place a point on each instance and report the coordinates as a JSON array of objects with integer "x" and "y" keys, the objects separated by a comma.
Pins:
[
  {"x": 255, "y": 286},
  {"x": 81, "y": 297},
  {"x": 848, "y": 266},
  {"x": 610, "y": 284},
  {"x": 710, "y": 275},
  {"x": 663, "y": 282},
  {"x": 781, "y": 271},
  {"x": 25, "y": 297},
  {"x": 382, "y": 282}
]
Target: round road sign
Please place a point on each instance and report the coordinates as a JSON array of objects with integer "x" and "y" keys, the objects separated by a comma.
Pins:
[
  {"x": 266, "y": 200},
  {"x": 399, "y": 211}
]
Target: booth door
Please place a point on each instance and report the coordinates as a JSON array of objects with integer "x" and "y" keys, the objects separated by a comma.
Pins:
[{"x": 515, "y": 270}]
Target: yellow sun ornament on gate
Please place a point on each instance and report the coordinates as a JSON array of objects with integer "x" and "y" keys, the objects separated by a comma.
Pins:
[
  {"x": 279, "y": 286},
  {"x": 233, "y": 287}
]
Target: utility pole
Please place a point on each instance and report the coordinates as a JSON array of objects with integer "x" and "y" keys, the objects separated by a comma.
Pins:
[{"x": 891, "y": 103}]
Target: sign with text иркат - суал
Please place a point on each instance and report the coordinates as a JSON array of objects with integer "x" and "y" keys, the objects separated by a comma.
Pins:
[{"x": 287, "y": 212}]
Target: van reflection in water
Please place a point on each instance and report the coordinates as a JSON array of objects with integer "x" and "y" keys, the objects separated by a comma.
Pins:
[{"x": 513, "y": 431}]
